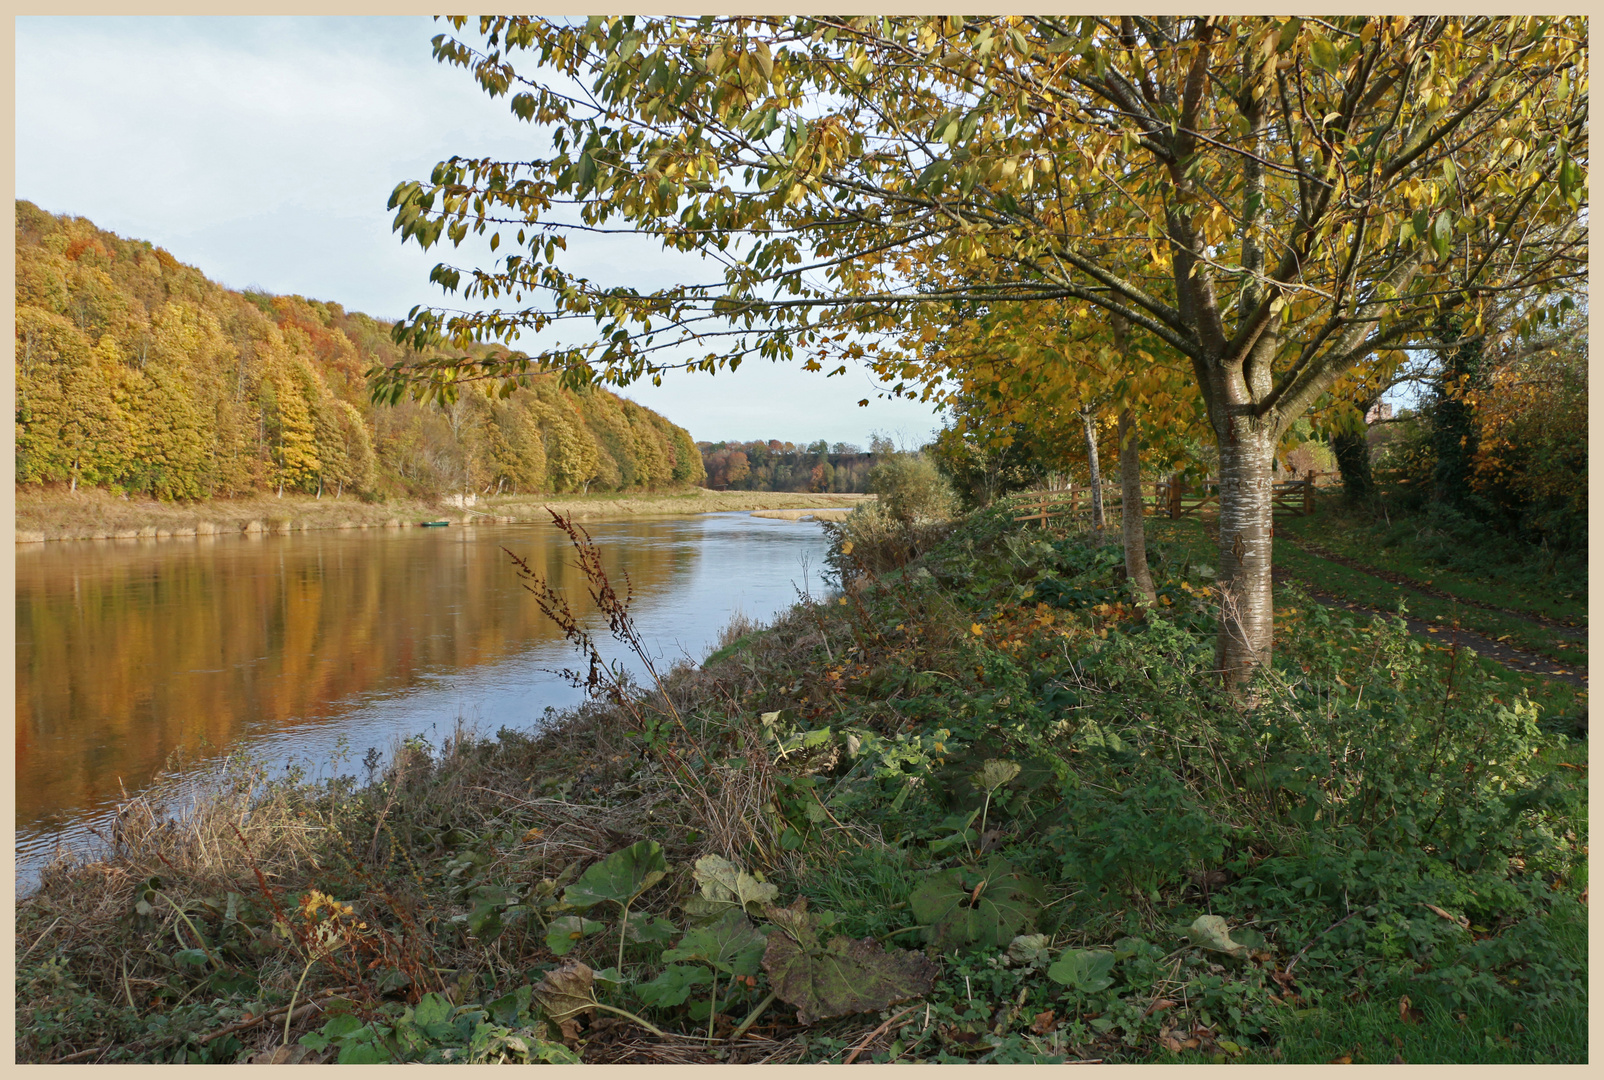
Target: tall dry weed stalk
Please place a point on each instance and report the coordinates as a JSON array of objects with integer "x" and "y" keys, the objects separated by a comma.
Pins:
[{"x": 610, "y": 682}]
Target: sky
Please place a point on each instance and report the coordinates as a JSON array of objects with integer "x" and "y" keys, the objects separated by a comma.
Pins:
[{"x": 263, "y": 150}]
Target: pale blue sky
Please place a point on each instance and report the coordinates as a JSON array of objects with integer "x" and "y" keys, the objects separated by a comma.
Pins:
[{"x": 262, "y": 150}]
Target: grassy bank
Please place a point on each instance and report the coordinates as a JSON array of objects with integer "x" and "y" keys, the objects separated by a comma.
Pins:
[
  {"x": 1450, "y": 555},
  {"x": 1294, "y": 555},
  {"x": 973, "y": 810},
  {"x": 58, "y": 514},
  {"x": 1365, "y": 588},
  {"x": 1562, "y": 707}
]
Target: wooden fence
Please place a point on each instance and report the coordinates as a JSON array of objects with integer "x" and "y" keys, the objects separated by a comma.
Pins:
[{"x": 1174, "y": 498}]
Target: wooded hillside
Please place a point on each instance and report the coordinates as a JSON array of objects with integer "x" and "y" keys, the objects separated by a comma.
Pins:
[
  {"x": 773, "y": 465},
  {"x": 136, "y": 373}
]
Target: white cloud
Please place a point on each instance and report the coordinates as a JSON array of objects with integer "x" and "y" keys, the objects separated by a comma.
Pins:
[{"x": 262, "y": 150}]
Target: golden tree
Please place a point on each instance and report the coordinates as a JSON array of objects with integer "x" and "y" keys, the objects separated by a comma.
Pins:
[{"x": 1307, "y": 194}]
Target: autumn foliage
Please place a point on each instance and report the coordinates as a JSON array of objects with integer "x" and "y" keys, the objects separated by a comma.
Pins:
[{"x": 136, "y": 373}]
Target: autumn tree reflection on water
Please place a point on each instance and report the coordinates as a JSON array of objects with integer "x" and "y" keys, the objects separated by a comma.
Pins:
[{"x": 128, "y": 651}]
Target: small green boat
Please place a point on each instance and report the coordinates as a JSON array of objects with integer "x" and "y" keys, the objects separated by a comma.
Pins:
[{"x": 432, "y": 524}]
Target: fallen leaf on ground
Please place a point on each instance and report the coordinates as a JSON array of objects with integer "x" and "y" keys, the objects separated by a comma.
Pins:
[
  {"x": 1457, "y": 920},
  {"x": 566, "y": 991}
]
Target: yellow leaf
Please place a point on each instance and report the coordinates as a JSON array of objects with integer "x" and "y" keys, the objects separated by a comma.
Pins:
[{"x": 976, "y": 629}]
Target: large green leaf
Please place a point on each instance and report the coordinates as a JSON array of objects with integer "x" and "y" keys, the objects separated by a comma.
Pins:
[
  {"x": 647, "y": 928},
  {"x": 1086, "y": 970},
  {"x": 961, "y": 906},
  {"x": 564, "y": 932},
  {"x": 842, "y": 976},
  {"x": 620, "y": 877},
  {"x": 432, "y": 1016},
  {"x": 674, "y": 985},
  {"x": 731, "y": 945}
]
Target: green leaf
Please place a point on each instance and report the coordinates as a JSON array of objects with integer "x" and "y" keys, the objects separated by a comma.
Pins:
[
  {"x": 191, "y": 957},
  {"x": 620, "y": 877},
  {"x": 961, "y": 906},
  {"x": 1442, "y": 234},
  {"x": 584, "y": 173},
  {"x": 341, "y": 1025},
  {"x": 432, "y": 1016},
  {"x": 1086, "y": 970},
  {"x": 673, "y": 986},
  {"x": 363, "y": 1053},
  {"x": 931, "y": 175},
  {"x": 491, "y": 904},
  {"x": 1323, "y": 55},
  {"x": 731, "y": 945},
  {"x": 511, "y": 1009},
  {"x": 566, "y": 931},
  {"x": 843, "y": 976},
  {"x": 967, "y": 836},
  {"x": 647, "y": 928},
  {"x": 1570, "y": 174}
]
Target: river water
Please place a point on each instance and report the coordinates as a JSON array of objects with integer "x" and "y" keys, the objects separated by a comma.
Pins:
[{"x": 304, "y": 648}]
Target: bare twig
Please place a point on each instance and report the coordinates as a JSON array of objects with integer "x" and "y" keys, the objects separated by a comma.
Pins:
[
  {"x": 40, "y": 938},
  {"x": 262, "y": 1017},
  {"x": 876, "y": 1033}
]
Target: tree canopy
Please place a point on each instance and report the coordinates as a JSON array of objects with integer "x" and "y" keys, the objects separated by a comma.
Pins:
[{"x": 1276, "y": 200}]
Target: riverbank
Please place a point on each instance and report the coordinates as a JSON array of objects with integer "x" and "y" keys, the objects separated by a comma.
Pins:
[
  {"x": 1015, "y": 812},
  {"x": 94, "y": 514}
]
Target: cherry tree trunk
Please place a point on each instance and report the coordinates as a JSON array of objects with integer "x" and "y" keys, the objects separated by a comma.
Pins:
[
  {"x": 1247, "y": 615},
  {"x": 1133, "y": 531}
]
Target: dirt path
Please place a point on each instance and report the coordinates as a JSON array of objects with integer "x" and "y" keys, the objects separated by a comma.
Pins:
[
  {"x": 1565, "y": 629},
  {"x": 1444, "y": 636}
]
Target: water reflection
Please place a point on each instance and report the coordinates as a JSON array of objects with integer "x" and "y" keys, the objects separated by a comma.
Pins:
[{"x": 129, "y": 651}]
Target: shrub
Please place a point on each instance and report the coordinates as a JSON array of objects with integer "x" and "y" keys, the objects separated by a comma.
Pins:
[
  {"x": 911, "y": 490},
  {"x": 913, "y": 513}
]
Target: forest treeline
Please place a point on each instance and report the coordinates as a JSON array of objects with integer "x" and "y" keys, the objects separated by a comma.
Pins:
[
  {"x": 136, "y": 373},
  {"x": 776, "y": 465}
]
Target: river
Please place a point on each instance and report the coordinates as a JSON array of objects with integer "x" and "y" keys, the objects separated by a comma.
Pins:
[{"x": 139, "y": 659}]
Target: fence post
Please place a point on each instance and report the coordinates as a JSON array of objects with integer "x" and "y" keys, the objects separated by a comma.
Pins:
[
  {"x": 1308, "y": 496},
  {"x": 1175, "y": 497}
]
